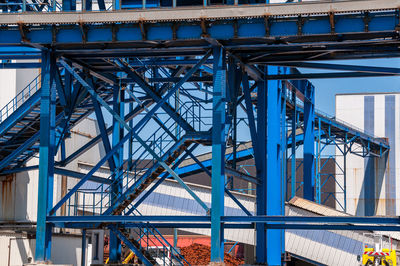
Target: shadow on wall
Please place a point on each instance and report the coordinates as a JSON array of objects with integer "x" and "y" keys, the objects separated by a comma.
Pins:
[{"x": 369, "y": 197}]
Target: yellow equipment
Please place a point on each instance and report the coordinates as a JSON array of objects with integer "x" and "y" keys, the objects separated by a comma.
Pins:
[
  {"x": 128, "y": 258},
  {"x": 377, "y": 252}
]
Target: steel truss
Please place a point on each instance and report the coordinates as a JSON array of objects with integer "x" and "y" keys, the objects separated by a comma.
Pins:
[{"x": 171, "y": 89}]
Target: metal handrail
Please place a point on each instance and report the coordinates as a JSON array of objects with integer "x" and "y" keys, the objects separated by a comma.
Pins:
[
  {"x": 19, "y": 99},
  {"x": 140, "y": 5},
  {"x": 104, "y": 189}
]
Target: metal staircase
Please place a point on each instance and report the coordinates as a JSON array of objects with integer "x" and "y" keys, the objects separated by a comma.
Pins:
[
  {"x": 20, "y": 122},
  {"x": 139, "y": 172},
  {"x": 150, "y": 246}
]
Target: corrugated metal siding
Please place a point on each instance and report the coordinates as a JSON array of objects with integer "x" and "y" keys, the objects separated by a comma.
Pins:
[{"x": 325, "y": 246}]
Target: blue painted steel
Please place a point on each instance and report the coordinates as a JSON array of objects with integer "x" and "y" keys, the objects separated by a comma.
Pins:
[
  {"x": 132, "y": 247},
  {"x": 293, "y": 148},
  {"x": 78, "y": 175},
  {"x": 46, "y": 157},
  {"x": 269, "y": 190},
  {"x": 142, "y": 198},
  {"x": 218, "y": 152},
  {"x": 117, "y": 178},
  {"x": 261, "y": 154},
  {"x": 275, "y": 199},
  {"x": 103, "y": 132},
  {"x": 83, "y": 248},
  {"x": 277, "y": 225},
  {"x": 230, "y": 219},
  {"x": 309, "y": 136},
  {"x": 380, "y": 22}
]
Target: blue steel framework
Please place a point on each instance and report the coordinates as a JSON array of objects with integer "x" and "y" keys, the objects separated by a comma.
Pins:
[{"x": 198, "y": 72}]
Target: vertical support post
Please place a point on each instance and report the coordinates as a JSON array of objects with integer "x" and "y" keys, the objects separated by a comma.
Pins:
[
  {"x": 69, "y": 5},
  {"x": 234, "y": 80},
  {"x": 294, "y": 128},
  {"x": 130, "y": 145},
  {"x": 88, "y": 5},
  {"x": 318, "y": 172},
  {"x": 308, "y": 165},
  {"x": 261, "y": 157},
  {"x": 83, "y": 257},
  {"x": 274, "y": 190},
  {"x": 46, "y": 156},
  {"x": 218, "y": 155},
  {"x": 117, "y": 135},
  {"x": 63, "y": 181},
  {"x": 344, "y": 176},
  {"x": 116, "y": 4},
  {"x": 283, "y": 151},
  {"x": 175, "y": 238}
]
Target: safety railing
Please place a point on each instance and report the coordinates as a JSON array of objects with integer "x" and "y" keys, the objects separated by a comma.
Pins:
[
  {"x": 54, "y": 6},
  {"x": 300, "y": 104},
  {"x": 95, "y": 201},
  {"x": 18, "y": 100},
  {"x": 154, "y": 243},
  {"x": 33, "y": 6}
]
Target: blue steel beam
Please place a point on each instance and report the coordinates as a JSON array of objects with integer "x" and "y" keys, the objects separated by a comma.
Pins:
[
  {"x": 344, "y": 227},
  {"x": 165, "y": 175},
  {"x": 117, "y": 178},
  {"x": 218, "y": 152},
  {"x": 19, "y": 65},
  {"x": 131, "y": 246},
  {"x": 275, "y": 199},
  {"x": 103, "y": 133},
  {"x": 261, "y": 154},
  {"x": 46, "y": 157},
  {"x": 297, "y": 76},
  {"x": 370, "y": 220},
  {"x": 78, "y": 175},
  {"x": 151, "y": 92},
  {"x": 131, "y": 132},
  {"x": 380, "y": 22},
  {"x": 309, "y": 138},
  {"x": 356, "y": 68}
]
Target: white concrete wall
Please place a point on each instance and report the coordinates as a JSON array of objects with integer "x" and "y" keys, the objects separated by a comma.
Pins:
[
  {"x": 351, "y": 109},
  {"x": 8, "y": 83},
  {"x": 16, "y": 249}
]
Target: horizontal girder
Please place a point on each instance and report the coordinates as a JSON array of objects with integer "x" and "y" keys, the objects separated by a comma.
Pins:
[{"x": 198, "y": 13}]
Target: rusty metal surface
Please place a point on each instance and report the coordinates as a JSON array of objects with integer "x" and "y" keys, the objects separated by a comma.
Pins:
[
  {"x": 198, "y": 13},
  {"x": 7, "y": 205}
]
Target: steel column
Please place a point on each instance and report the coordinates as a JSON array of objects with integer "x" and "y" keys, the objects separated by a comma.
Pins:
[
  {"x": 308, "y": 149},
  {"x": 274, "y": 195},
  {"x": 46, "y": 156},
  {"x": 261, "y": 157},
  {"x": 293, "y": 137},
  {"x": 117, "y": 135},
  {"x": 218, "y": 155}
]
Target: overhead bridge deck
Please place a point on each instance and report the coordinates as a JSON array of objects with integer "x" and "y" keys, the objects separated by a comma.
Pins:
[
  {"x": 255, "y": 33},
  {"x": 199, "y": 13}
]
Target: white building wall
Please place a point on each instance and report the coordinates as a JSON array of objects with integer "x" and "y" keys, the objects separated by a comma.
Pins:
[
  {"x": 384, "y": 118},
  {"x": 16, "y": 249}
]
